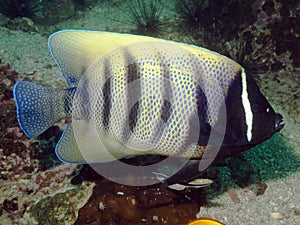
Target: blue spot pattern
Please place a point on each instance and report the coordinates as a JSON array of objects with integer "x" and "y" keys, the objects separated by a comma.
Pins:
[{"x": 35, "y": 107}]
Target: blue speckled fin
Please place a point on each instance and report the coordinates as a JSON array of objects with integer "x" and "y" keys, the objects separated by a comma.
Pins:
[
  {"x": 75, "y": 50},
  {"x": 67, "y": 149},
  {"x": 38, "y": 107}
]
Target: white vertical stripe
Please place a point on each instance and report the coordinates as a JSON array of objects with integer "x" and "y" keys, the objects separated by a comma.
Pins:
[{"x": 247, "y": 106}]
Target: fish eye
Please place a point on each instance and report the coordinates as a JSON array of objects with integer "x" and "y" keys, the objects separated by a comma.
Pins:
[{"x": 255, "y": 108}]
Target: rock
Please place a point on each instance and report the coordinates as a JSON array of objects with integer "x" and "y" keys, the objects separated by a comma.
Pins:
[
  {"x": 22, "y": 23},
  {"x": 60, "y": 209},
  {"x": 277, "y": 215}
]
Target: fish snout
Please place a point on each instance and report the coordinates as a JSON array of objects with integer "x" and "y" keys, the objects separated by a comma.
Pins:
[{"x": 279, "y": 122}]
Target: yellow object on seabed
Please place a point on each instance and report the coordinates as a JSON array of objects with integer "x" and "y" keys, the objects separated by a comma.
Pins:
[{"x": 205, "y": 221}]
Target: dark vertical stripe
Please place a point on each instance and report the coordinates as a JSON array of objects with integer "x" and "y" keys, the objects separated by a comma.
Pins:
[
  {"x": 133, "y": 92},
  {"x": 236, "y": 127},
  {"x": 133, "y": 72},
  {"x": 106, "y": 90},
  {"x": 202, "y": 108},
  {"x": 166, "y": 110},
  {"x": 133, "y": 115},
  {"x": 167, "y": 93},
  {"x": 164, "y": 67}
]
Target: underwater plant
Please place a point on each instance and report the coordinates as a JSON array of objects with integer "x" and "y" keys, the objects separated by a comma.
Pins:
[
  {"x": 19, "y": 8},
  {"x": 145, "y": 16}
]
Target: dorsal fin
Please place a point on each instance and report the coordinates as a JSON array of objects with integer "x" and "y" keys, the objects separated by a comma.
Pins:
[{"x": 75, "y": 50}]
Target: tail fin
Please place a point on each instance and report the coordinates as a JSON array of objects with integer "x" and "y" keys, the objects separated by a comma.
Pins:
[{"x": 38, "y": 107}]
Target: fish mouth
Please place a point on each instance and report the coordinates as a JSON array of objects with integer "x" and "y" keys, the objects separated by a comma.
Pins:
[{"x": 279, "y": 122}]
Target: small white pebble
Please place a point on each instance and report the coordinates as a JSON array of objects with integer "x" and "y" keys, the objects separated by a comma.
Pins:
[
  {"x": 102, "y": 206},
  {"x": 187, "y": 197},
  {"x": 133, "y": 202},
  {"x": 277, "y": 215},
  {"x": 198, "y": 215},
  {"x": 155, "y": 218}
]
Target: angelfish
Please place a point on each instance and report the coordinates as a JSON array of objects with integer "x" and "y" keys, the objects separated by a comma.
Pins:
[{"x": 132, "y": 95}]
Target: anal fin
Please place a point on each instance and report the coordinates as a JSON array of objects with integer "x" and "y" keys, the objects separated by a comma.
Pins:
[{"x": 67, "y": 149}]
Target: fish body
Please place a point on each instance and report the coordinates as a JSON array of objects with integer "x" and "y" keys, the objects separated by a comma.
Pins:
[{"x": 132, "y": 95}]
